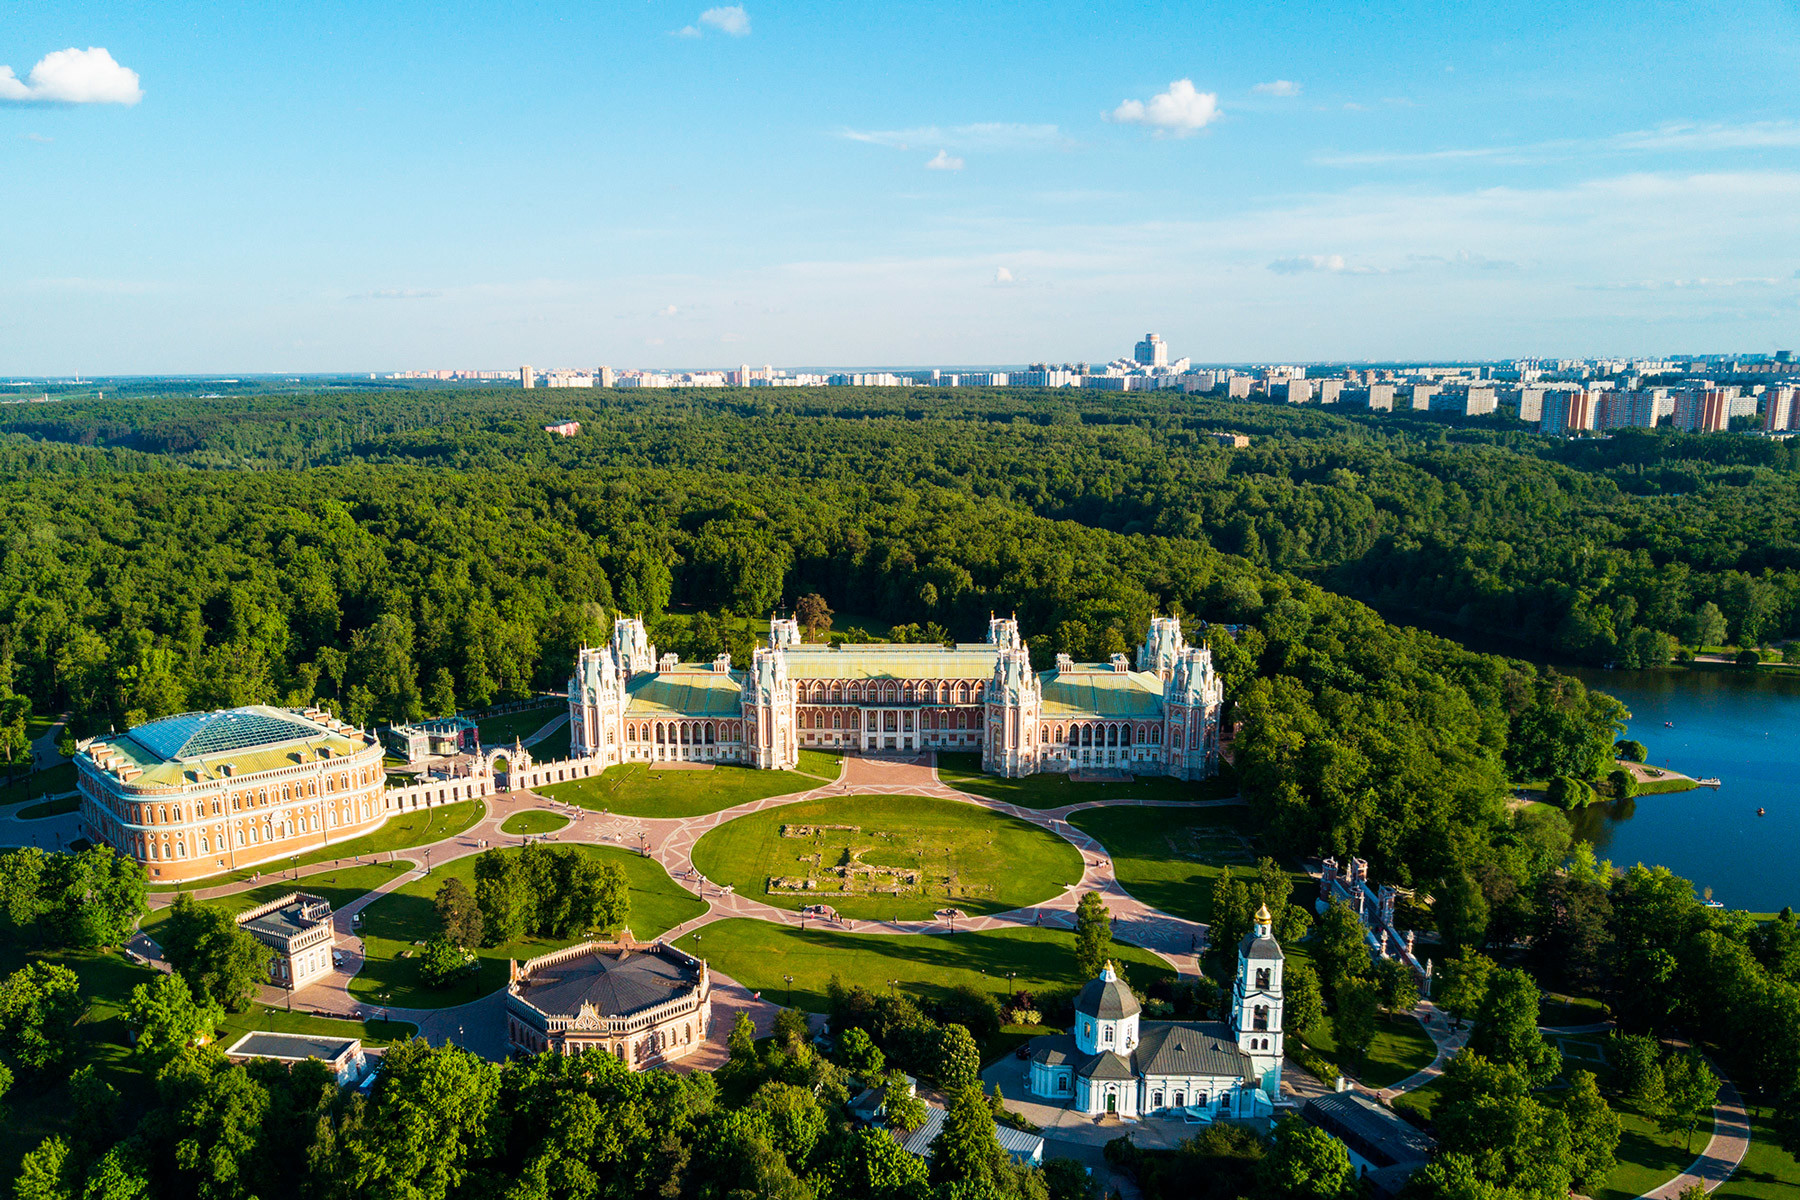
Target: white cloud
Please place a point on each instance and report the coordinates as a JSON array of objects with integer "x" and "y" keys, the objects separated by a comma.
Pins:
[
  {"x": 731, "y": 20},
  {"x": 1756, "y": 135},
  {"x": 39, "y": 138},
  {"x": 396, "y": 294},
  {"x": 73, "y": 77},
  {"x": 1277, "y": 87},
  {"x": 687, "y": 31},
  {"x": 1308, "y": 262},
  {"x": 944, "y": 162},
  {"x": 668, "y": 310},
  {"x": 1002, "y": 275},
  {"x": 1179, "y": 111},
  {"x": 981, "y": 135}
]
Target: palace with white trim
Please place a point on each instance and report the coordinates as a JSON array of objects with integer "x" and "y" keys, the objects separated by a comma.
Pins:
[{"x": 628, "y": 705}]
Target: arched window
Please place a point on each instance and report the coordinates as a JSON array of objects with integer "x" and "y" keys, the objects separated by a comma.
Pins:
[
  {"x": 1262, "y": 979},
  {"x": 1156, "y": 735},
  {"x": 1125, "y": 735},
  {"x": 1261, "y": 1019},
  {"x": 631, "y": 733},
  {"x": 709, "y": 733}
]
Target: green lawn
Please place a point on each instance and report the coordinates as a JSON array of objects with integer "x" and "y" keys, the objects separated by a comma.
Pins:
[
  {"x": 392, "y": 924},
  {"x": 967, "y": 857},
  {"x": 533, "y": 820},
  {"x": 1169, "y": 857},
  {"x": 403, "y": 831},
  {"x": 501, "y": 730},
  {"x": 1768, "y": 1172},
  {"x": 1423, "y": 1100},
  {"x": 758, "y": 955},
  {"x": 1556, "y": 1010},
  {"x": 963, "y": 772},
  {"x": 826, "y": 764},
  {"x": 634, "y": 790},
  {"x": 554, "y": 747},
  {"x": 49, "y": 808},
  {"x": 60, "y": 778},
  {"x": 1401, "y": 1048},
  {"x": 339, "y": 887},
  {"x": 1648, "y": 1158},
  {"x": 278, "y": 1020}
]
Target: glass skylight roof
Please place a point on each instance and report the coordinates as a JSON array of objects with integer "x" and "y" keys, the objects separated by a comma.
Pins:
[{"x": 197, "y": 735}]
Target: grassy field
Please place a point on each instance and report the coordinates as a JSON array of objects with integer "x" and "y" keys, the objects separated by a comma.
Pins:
[
  {"x": 1556, "y": 1010},
  {"x": 49, "y": 808},
  {"x": 60, "y": 778},
  {"x": 826, "y": 764},
  {"x": 1168, "y": 858},
  {"x": 533, "y": 820},
  {"x": 1648, "y": 1158},
  {"x": 339, "y": 887},
  {"x": 1401, "y": 1048},
  {"x": 634, "y": 790},
  {"x": 1423, "y": 1100},
  {"x": 966, "y": 857},
  {"x": 393, "y": 924},
  {"x": 758, "y": 955},
  {"x": 501, "y": 730},
  {"x": 555, "y": 746},
  {"x": 963, "y": 772},
  {"x": 403, "y": 831},
  {"x": 278, "y": 1020},
  {"x": 1768, "y": 1172}
]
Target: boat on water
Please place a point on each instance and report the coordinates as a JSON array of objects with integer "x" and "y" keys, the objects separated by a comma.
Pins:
[
  {"x": 1762, "y": 812},
  {"x": 1668, "y": 724},
  {"x": 1707, "y": 782},
  {"x": 1714, "y": 903}
]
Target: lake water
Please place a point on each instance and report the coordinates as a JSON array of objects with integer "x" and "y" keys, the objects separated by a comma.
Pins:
[{"x": 1743, "y": 728}]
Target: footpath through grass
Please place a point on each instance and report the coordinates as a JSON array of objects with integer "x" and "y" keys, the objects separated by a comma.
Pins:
[
  {"x": 1648, "y": 1157},
  {"x": 1401, "y": 1048},
  {"x": 395, "y": 926},
  {"x": 533, "y": 821},
  {"x": 1768, "y": 1171},
  {"x": 758, "y": 955},
  {"x": 340, "y": 887},
  {"x": 936, "y": 853},
  {"x": 1168, "y": 858},
  {"x": 406, "y": 830},
  {"x": 60, "y": 778},
  {"x": 501, "y": 730},
  {"x": 963, "y": 772},
  {"x": 634, "y": 790}
]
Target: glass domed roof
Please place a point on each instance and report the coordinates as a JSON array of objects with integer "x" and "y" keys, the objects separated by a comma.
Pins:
[{"x": 198, "y": 735}]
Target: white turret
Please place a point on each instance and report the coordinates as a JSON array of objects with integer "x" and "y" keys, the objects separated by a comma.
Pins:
[
  {"x": 784, "y": 631},
  {"x": 596, "y": 703},
  {"x": 631, "y": 646},
  {"x": 769, "y": 720},
  {"x": 1193, "y": 696},
  {"x": 1015, "y": 696},
  {"x": 1003, "y": 632},
  {"x": 1162, "y": 648}
]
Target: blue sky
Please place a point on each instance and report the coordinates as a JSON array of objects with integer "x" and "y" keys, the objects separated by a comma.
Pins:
[{"x": 384, "y": 185}]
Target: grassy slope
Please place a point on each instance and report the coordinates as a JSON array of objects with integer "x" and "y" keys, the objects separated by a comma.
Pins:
[
  {"x": 1768, "y": 1172},
  {"x": 1648, "y": 1158},
  {"x": 1168, "y": 858},
  {"x": 757, "y": 955},
  {"x": 501, "y": 730},
  {"x": 1401, "y": 1047},
  {"x": 406, "y": 915},
  {"x": 60, "y": 778},
  {"x": 340, "y": 887},
  {"x": 533, "y": 820},
  {"x": 963, "y": 772},
  {"x": 636, "y": 791},
  {"x": 403, "y": 831},
  {"x": 999, "y": 862}
]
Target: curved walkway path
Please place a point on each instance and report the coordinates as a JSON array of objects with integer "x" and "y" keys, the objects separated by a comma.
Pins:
[{"x": 478, "y": 1026}]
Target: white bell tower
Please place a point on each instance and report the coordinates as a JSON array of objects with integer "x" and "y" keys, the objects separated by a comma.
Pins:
[{"x": 1256, "y": 1001}]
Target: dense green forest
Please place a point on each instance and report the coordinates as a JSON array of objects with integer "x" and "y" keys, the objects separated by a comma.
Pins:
[{"x": 398, "y": 551}]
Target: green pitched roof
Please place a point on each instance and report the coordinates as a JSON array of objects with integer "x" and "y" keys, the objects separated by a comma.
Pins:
[
  {"x": 1089, "y": 691},
  {"x": 891, "y": 660},
  {"x": 687, "y": 691}
]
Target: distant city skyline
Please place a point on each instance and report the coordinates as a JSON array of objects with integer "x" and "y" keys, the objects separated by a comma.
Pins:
[{"x": 351, "y": 189}]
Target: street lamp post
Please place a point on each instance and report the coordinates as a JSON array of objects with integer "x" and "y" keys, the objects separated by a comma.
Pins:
[{"x": 789, "y": 994}]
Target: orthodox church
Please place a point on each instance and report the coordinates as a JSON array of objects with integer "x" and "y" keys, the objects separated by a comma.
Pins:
[{"x": 1113, "y": 1063}]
